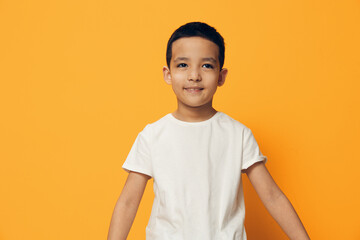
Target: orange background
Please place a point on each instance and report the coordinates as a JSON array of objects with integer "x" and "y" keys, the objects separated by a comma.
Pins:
[{"x": 80, "y": 79}]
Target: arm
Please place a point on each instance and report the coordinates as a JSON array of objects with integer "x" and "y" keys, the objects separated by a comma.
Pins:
[
  {"x": 276, "y": 202},
  {"x": 127, "y": 206}
]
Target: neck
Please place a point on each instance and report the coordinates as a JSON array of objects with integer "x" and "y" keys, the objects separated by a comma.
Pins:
[{"x": 194, "y": 114}]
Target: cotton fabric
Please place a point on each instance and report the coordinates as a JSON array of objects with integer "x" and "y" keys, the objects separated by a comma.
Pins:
[{"x": 196, "y": 168}]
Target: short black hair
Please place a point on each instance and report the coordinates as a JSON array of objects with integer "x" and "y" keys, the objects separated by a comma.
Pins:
[{"x": 197, "y": 29}]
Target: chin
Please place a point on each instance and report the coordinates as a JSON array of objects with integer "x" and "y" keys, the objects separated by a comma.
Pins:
[{"x": 195, "y": 105}]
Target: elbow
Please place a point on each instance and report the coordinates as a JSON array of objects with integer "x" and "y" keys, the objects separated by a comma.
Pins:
[{"x": 274, "y": 196}]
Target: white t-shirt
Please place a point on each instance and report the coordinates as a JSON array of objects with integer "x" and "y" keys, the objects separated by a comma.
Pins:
[{"x": 196, "y": 167}]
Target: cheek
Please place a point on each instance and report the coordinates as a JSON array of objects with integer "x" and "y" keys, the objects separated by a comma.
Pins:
[
  {"x": 212, "y": 80},
  {"x": 177, "y": 87},
  {"x": 178, "y": 76},
  {"x": 178, "y": 80}
]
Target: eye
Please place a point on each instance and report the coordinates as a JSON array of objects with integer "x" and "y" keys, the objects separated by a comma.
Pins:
[
  {"x": 181, "y": 65},
  {"x": 208, "y": 65}
]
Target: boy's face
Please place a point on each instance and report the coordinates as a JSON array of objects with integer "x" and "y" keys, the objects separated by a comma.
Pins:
[{"x": 194, "y": 72}]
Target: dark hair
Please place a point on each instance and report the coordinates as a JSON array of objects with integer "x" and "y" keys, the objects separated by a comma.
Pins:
[{"x": 197, "y": 29}]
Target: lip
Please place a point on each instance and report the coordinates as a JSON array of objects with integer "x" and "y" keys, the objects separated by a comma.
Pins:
[{"x": 193, "y": 89}]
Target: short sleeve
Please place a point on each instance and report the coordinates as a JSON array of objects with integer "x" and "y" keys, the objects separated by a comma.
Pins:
[
  {"x": 251, "y": 152},
  {"x": 139, "y": 157}
]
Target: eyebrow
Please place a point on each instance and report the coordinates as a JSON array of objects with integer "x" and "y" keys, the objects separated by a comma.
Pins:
[{"x": 210, "y": 59}]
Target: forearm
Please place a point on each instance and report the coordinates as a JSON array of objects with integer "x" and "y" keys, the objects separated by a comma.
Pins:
[
  {"x": 285, "y": 215},
  {"x": 121, "y": 221}
]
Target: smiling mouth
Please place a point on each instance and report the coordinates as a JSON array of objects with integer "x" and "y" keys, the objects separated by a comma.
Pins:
[{"x": 193, "y": 90}]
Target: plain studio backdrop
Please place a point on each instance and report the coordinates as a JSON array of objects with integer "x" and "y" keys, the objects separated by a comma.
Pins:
[{"x": 80, "y": 79}]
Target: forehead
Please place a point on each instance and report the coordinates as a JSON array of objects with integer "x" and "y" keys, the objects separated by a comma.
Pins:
[{"x": 194, "y": 47}]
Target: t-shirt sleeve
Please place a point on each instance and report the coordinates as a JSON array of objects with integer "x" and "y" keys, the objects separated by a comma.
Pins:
[
  {"x": 251, "y": 152},
  {"x": 139, "y": 157}
]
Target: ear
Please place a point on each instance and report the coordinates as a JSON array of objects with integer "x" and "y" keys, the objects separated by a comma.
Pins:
[
  {"x": 222, "y": 75},
  {"x": 167, "y": 75}
]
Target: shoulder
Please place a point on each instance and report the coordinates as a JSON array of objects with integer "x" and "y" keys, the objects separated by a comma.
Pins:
[
  {"x": 225, "y": 118},
  {"x": 155, "y": 125}
]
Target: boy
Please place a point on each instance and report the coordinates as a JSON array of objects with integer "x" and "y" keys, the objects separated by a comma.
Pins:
[{"x": 196, "y": 156}]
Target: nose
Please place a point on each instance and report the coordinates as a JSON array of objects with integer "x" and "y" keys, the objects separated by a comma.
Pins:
[{"x": 194, "y": 75}]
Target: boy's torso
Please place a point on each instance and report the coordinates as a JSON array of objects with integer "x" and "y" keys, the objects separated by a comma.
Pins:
[{"x": 197, "y": 179}]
